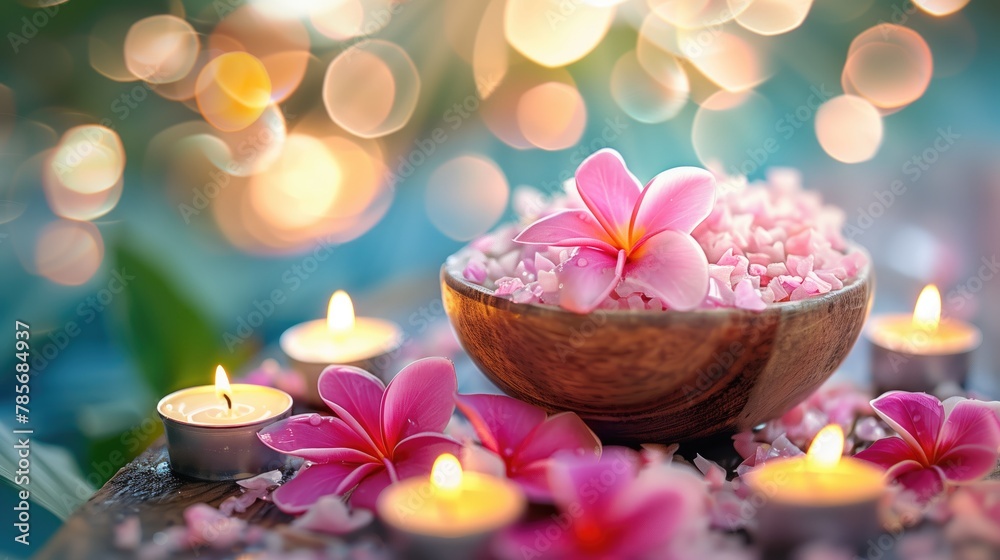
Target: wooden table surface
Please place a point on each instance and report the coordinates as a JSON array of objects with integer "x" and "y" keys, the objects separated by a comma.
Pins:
[{"x": 148, "y": 489}]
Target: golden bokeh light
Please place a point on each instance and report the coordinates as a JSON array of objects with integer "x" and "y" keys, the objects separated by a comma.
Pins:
[
  {"x": 281, "y": 45},
  {"x": 466, "y": 196},
  {"x": 940, "y": 7},
  {"x": 555, "y": 33},
  {"x": 69, "y": 252},
  {"x": 889, "y": 65},
  {"x": 730, "y": 61},
  {"x": 89, "y": 159},
  {"x": 552, "y": 116},
  {"x": 184, "y": 88},
  {"x": 253, "y": 149},
  {"x": 774, "y": 17},
  {"x": 371, "y": 89},
  {"x": 106, "y": 47},
  {"x": 695, "y": 14},
  {"x": 300, "y": 187},
  {"x": 490, "y": 59},
  {"x": 735, "y": 131},
  {"x": 161, "y": 49},
  {"x": 647, "y": 97},
  {"x": 849, "y": 128},
  {"x": 232, "y": 91},
  {"x": 342, "y": 20}
]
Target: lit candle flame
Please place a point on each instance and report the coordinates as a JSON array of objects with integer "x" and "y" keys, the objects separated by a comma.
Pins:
[
  {"x": 927, "y": 312},
  {"x": 446, "y": 475},
  {"x": 340, "y": 313},
  {"x": 222, "y": 388},
  {"x": 826, "y": 448}
]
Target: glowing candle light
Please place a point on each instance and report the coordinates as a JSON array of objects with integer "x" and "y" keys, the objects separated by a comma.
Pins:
[
  {"x": 821, "y": 496},
  {"x": 341, "y": 338},
  {"x": 922, "y": 351},
  {"x": 452, "y": 510},
  {"x": 212, "y": 429}
]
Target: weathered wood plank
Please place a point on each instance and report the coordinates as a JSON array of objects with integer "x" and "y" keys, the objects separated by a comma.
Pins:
[{"x": 148, "y": 489}]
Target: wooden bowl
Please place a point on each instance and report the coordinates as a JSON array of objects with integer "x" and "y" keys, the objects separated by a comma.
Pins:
[{"x": 659, "y": 377}]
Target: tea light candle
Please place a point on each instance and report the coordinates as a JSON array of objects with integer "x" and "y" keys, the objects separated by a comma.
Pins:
[
  {"x": 341, "y": 339},
  {"x": 921, "y": 352},
  {"x": 212, "y": 430},
  {"x": 452, "y": 514},
  {"x": 819, "y": 497}
]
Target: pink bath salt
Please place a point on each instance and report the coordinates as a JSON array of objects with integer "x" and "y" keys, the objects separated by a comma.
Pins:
[
  {"x": 854, "y": 262},
  {"x": 720, "y": 293},
  {"x": 758, "y": 269},
  {"x": 776, "y": 287},
  {"x": 739, "y": 270},
  {"x": 548, "y": 281},
  {"x": 777, "y": 269},
  {"x": 830, "y": 278},
  {"x": 766, "y": 295},
  {"x": 542, "y": 263},
  {"x": 635, "y": 303},
  {"x": 521, "y": 271},
  {"x": 524, "y": 295},
  {"x": 800, "y": 266},
  {"x": 747, "y": 297},
  {"x": 722, "y": 273},
  {"x": 508, "y": 285},
  {"x": 656, "y": 304},
  {"x": 475, "y": 271}
]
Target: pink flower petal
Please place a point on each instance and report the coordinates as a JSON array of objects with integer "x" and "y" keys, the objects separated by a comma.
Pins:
[
  {"x": 887, "y": 452},
  {"x": 656, "y": 507},
  {"x": 365, "y": 495},
  {"x": 969, "y": 423},
  {"x": 311, "y": 482},
  {"x": 331, "y": 515},
  {"x": 476, "y": 458},
  {"x": 572, "y": 478},
  {"x": 207, "y": 526},
  {"x": 356, "y": 397},
  {"x": 671, "y": 266},
  {"x": 262, "y": 481},
  {"x": 677, "y": 199},
  {"x": 415, "y": 455},
  {"x": 421, "y": 398},
  {"x": 588, "y": 279},
  {"x": 560, "y": 432},
  {"x": 925, "y": 482},
  {"x": 568, "y": 228},
  {"x": 534, "y": 480},
  {"x": 916, "y": 417},
  {"x": 316, "y": 438},
  {"x": 501, "y": 422},
  {"x": 610, "y": 191},
  {"x": 967, "y": 463}
]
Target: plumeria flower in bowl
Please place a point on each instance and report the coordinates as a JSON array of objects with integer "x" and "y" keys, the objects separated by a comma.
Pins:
[{"x": 608, "y": 303}]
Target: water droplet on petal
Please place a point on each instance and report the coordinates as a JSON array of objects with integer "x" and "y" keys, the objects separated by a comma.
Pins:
[
  {"x": 581, "y": 262},
  {"x": 315, "y": 420}
]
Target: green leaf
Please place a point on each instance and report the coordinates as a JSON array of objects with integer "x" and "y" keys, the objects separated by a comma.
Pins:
[{"x": 172, "y": 342}]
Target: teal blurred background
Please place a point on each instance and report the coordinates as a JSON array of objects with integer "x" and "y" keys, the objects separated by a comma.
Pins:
[{"x": 186, "y": 283}]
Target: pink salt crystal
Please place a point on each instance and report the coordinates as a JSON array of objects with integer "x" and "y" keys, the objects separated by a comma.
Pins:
[
  {"x": 715, "y": 475},
  {"x": 548, "y": 280},
  {"x": 747, "y": 297},
  {"x": 800, "y": 266},
  {"x": 542, "y": 263},
  {"x": 331, "y": 515},
  {"x": 656, "y": 304},
  {"x": 766, "y": 295},
  {"x": 508, "y": 285},
  {"x": 635, "y": 302},
  {"x": 475, "y": 271},
  {"x": 521, "y": 271},
  {"x": 778, "y": 289},
  {"x": 830, "y": 278},
  {"x": 777, "y": 269}
]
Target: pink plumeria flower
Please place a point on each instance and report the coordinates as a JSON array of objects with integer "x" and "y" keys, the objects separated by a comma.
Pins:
[
  {"x": 380, "y": 434},
  {"x": 609, "y": 509},
  {"x": 939, "y": 443},
  {"x": 522, "y": 439},
  {"x": 641, "y": 235}
]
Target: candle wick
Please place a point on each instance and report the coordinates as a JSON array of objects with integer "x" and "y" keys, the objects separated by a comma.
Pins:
[{"x": 229, "y": 401}]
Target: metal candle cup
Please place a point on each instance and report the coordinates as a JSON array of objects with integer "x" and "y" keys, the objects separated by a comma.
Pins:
[
  {"x": 452, "y": 514},
  {"x": 922, "y": 352},
  {"x": 821, "y": 497},
  {"x": 341, "y": 339},
  {"x": 208, "y": 440}
]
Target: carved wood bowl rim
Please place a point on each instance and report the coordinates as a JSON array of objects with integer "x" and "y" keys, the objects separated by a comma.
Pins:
[{"x": 453, "y": 278}]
